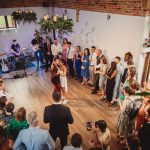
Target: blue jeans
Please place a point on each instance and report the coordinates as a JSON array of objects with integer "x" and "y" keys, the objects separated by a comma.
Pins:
[{"x": 39, "y": 57}]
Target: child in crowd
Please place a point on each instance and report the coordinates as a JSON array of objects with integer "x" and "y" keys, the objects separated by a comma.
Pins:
[
  {"x": 76, "y": 142},
  {"x": 8, "y": 113}
]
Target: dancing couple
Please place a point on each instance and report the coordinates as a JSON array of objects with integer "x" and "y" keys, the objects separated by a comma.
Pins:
[{"x": 59, "y": 78}]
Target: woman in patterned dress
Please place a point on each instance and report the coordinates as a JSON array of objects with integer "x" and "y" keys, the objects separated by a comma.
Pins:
[{"x": 124, "y": 124}]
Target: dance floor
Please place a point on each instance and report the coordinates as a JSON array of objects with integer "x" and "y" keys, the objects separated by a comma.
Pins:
[{"x": 34, "y": 93}]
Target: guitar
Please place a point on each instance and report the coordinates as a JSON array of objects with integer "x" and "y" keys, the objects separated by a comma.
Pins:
[
  {"x": 35, "y": 47},
  {"x": 4, "y": 66}
]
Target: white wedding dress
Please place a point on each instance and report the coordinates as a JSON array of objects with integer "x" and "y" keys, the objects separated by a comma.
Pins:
[{"x": 63, "y": 82}]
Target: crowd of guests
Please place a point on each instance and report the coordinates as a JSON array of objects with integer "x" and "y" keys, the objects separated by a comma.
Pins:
[
  {"x": 20, "y": 131},
  {"x": 115, "y": 83}
]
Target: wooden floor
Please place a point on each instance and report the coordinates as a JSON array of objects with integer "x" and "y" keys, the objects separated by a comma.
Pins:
[{"x": 34, "y": 93}]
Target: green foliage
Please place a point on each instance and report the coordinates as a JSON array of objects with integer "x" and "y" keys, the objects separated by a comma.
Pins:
[
  {"x": 61, "y": 25},
  {"x": 24, "y": 16},
  {"x": 144, "y": 93}
]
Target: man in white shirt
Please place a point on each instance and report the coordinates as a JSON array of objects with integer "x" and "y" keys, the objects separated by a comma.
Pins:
[
  {"x": 70, "y": 59},
  {"x": 56, "y": 48},
  {"x": 34, "y": 138},
  {"x": 92, "y": 60}
]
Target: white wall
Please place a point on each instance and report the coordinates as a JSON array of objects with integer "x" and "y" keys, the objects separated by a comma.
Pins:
[
  {"x": 115, "y": 36},
  {"x": 144, "y": 50}
]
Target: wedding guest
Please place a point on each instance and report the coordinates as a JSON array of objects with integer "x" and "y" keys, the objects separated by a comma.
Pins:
[
  {"x": 128, "y": 57},
  {"x": 64, "y": 49},
  {"x": 15, "y": 48},
  {"x": 133, "y": 142},
  {"x": 3, "y": 102},
  {"x": 125, "y": 73},
  {"x": 2, "y": 86},
  {"x": 130, "y": 78},
  {"x": 56, "y": 48},
  {"x": 70, "y": 59},
  {"x": 76, "y": 141},
  {"x": 55, "y": 79},
  {"x": 144, "y": 133},
  {"x": 92, "y": 59},
  {"x": 78, "y": 63},
  {"x": 96, "y": 83},
  {"x": 9, "y": 114},
  {"x": 85, "y": 66},
  {"x": 125, "y": 124},
  {"x": 4, "y": 93},
  {"x": 48, "y": 52},
  {"x": 17, "y": 124},
  {"x": 102, "y": 75},
  {"x": 102, "y": 136},
  {"x": 63, "y": 79},
  {"x": 58, "y": 116},
  {"x": 110, "y": 82},
  {"x": 142, "y": 112},
  {"x": 34, "y": 138},
  {"x": 117, "y": 79}
]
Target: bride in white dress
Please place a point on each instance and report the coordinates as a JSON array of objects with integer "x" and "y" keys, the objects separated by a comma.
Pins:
[{"x": 63, "y": 79}]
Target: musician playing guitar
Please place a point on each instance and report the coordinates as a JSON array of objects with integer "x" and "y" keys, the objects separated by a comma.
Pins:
[
  {"x": 38, "y": 52},
  {"x": 15, "y": 48}
]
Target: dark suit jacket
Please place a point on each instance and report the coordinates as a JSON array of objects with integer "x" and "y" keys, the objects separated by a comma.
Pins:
[
  {"x": 144, "y": 136},
  {"x": 46, "y": 49},
  {"x": 99, "y": 59},
  {"x": 124, "y": 75},
  {"x": 58, "y": 116}
]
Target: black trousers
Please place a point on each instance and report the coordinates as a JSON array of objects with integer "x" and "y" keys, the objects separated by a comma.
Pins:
[
  {"x": 96, "y": 84},
  {"x": 110, "y": 89},
  {"x": 62, "y": 138},
  {"x": 48, "y": 58},
  {"x": 71, "y": 68}
]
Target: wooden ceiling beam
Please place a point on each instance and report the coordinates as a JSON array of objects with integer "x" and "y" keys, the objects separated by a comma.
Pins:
[{"x": 25, "y": 3}]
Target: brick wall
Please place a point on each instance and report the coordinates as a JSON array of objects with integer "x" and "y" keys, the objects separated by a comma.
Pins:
[{"x": 125, "y": 7}]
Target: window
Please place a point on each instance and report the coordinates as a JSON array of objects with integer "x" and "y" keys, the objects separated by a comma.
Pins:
[
  {"x": 2, "y": 22},
  {"x": 7, "y": 22}
]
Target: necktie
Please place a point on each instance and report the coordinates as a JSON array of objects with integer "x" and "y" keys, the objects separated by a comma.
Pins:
[{"x": 68, "y": 52}]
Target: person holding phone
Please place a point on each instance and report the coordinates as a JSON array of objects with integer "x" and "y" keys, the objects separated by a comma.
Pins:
[{"x": 101, "y": 136}]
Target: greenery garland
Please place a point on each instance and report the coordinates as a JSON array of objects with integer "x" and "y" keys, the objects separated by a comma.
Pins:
[
  {"x": 24, "y": 16},
  {"x": 61, "y": 26}
]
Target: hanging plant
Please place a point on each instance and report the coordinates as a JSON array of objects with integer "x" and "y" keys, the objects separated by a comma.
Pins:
[
  {"x": 24, "y": 16},
  {"x": 61, "y": 25}
]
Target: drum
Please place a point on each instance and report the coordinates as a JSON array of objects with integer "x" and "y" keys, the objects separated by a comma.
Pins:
[
  {"x": 10, "y": 58},
  {"x": 18, "y": 63}
]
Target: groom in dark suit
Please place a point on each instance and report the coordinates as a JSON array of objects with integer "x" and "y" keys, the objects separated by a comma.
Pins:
[{"x": 58, "y": 116}]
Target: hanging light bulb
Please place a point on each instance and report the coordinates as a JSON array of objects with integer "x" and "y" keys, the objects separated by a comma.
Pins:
[
  {"x": 55, "y": 18},
  {"x": 46, "y": 17},
  {"x": 65, "y": 17}
]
